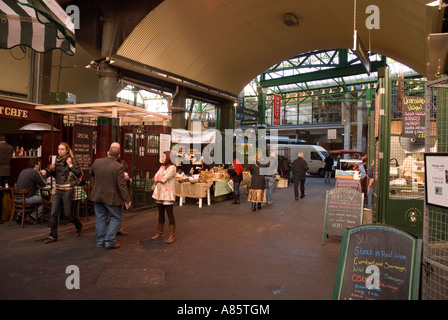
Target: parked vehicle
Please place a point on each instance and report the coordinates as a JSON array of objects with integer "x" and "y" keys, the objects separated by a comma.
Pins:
[{"x": 314, "y": 155}]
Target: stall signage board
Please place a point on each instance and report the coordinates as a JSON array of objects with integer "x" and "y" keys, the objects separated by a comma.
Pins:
[
  {"x": 343, "y": 209},
  {"x": 413, "y": 124},
  {"x": 82, "y": 147},
  {"x": 378, "y": 262},
  {"x": 436, "y": 179}
]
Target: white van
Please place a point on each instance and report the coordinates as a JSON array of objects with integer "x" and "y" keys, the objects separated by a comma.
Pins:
[{"x": 314, "y": 155}]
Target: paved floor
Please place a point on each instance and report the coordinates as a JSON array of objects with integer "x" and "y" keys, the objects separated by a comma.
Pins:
[{"x": 221, "y": 252}]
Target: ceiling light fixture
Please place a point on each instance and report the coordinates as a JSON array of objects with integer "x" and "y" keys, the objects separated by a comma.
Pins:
[
  {"x": 290, "y": 20},
  {"x": 95, "y": 64}
]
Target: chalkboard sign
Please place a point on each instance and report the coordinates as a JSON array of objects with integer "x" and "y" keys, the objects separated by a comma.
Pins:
[
  {"x": 413, "y": 124},
  {"x": 82, "y": 147},
  {"x": 378, "y": 262},
  {"x": 343, "y": 210}
]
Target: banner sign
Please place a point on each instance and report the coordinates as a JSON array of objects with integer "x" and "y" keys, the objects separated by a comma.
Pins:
[
  {"x": 184, "y": 136},
  {"x": 277, "y": 108}
]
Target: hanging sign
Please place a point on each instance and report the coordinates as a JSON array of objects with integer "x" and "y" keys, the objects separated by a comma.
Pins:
[
  {"x": 361, "y": 52},
  {"x": 277, "y": 109},
  {"x": 413, "y": 123}
]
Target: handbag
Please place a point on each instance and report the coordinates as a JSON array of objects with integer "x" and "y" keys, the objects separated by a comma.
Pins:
[{"x": 73, "y": 180}]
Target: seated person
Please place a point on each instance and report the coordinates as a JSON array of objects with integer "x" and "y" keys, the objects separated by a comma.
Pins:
[
  {"x": 207, "y": 167},
  {"x": 29, "y": 179}
]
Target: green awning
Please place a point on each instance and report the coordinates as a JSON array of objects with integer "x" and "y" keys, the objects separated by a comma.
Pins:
[{"x": 41, "y": 25}]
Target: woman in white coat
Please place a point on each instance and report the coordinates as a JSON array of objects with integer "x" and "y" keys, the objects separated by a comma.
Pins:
[{"x": 164, "y": 193}]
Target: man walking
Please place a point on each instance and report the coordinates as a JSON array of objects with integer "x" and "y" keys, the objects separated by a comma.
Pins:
[
  {"x": 329, "y": 163},
  {"x": 120, "y": 231},
  {"x": 109, "y": 193},
  {"x": 299, "y": 169}
]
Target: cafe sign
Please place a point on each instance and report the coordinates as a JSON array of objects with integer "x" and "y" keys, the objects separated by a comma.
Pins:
[{"x": 13, "y": 112}]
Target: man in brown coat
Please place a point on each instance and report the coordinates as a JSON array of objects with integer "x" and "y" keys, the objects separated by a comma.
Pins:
[
  {"x": 6, "y": 151},
  {"x": 108, "y": 194}
]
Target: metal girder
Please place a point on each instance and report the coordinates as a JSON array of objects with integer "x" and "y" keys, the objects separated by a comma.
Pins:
[{"x": 337, "y": 72}]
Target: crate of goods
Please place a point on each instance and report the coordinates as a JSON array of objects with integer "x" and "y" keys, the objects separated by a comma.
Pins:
[
  {"x": 341, "y": 174},
  {"x": 281, "y": 183}
]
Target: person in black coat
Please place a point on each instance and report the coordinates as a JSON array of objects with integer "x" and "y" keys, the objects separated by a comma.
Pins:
[
  {"x": 6, "y": 152},
  {"x": 299, "y": 169},
  {"x": 329, "y": 162},
  {"x": 257, "y": 193}
]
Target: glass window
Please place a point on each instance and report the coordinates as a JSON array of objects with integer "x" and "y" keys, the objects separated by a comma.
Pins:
[
  {"x": 291, "y": 114},
  {"x": 305, "y": 113},
  {"x": 315, "y": 156}
]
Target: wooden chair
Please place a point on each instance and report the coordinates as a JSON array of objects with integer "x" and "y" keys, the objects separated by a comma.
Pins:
[
  {"x": 19, "y": 205},
  {"x": 46, "y": 204}
]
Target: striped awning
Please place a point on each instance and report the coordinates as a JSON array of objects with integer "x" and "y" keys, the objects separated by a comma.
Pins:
[{"x": 41, "y": 25}]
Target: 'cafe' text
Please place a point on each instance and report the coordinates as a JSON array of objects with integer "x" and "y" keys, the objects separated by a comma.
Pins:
[{"x": 14, "y": 112}]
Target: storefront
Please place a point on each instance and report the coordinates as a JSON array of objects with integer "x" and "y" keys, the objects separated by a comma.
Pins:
[
  {"x": 90, "y": 128},
  {"x": 14, "y": 115}
]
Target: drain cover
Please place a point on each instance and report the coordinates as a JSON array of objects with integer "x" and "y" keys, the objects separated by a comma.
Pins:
[{"x": 131, "y": 278}]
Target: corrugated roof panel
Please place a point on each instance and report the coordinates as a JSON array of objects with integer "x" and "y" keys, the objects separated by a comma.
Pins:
[{"x": 226, "y": 43}]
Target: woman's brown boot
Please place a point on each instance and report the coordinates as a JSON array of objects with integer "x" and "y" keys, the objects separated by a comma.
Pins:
[
  {"x": 159, "y": 233},
  {"x": 172, "y": 232}
]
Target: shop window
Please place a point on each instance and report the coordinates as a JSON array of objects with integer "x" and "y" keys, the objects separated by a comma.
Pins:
[{"x": 305, "y": 113}]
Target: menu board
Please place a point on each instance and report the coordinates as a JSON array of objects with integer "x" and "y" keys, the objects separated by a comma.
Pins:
[
  {"x": 378, "y": 262},
  {"x": 436, "y": 179},
  {"x": 82, "y": 147},
  {"x": 344, "y": 208},
  {"x": 413, "y": 123}
]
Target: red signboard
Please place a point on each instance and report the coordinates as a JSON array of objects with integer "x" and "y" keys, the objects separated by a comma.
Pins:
[{"x": 277, "y": 108}]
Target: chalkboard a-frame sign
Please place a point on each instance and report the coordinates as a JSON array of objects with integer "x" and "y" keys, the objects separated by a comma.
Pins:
[
  {"x": 378, "y": 262},
  {"x": 343, "y": 210}
]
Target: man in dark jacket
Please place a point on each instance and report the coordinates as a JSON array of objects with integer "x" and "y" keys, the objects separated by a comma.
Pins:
[
  {"x": 30, "y": 179},
  {"x": 285, "y": 167},
  {"x": 6, "y": 151},
  {"x": 329, "y": 162},
  {"x": 108, "y": 194},
  {"x": 299, "y": 169}
]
